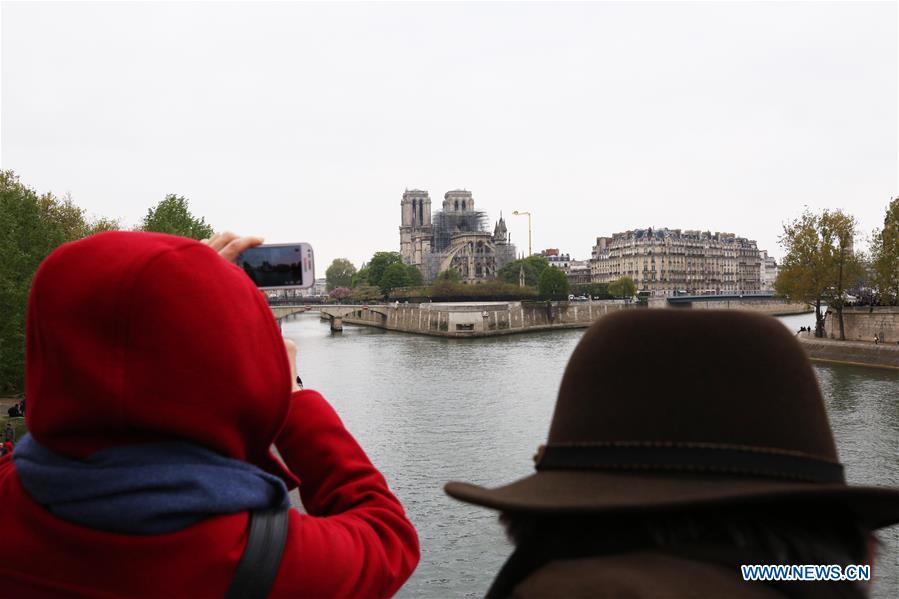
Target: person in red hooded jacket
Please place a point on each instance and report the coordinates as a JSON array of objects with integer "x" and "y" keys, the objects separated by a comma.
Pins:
[{"x": 158, "y": 383}]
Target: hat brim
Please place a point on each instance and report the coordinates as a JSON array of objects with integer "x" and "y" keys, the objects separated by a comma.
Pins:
[{"x": 577, "y": 491}]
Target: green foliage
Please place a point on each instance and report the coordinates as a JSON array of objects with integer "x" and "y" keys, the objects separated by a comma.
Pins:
[
  {"x": 443, "y": 290},
  {"x": 594, "y": 290},
  {"x": 360, "y": 278},
  {"x": 31, "y": 226},
  {"x": 885, "y": 257},
  {"x": 340, "y": 293},
  {"x": 820, "y": 264},
  {"x": 340, "y": 274},
  {"x": 451, "y": 274},
  {"x": 378, "y": 265},
  {"x": 622, "y": 287},
  {"x": 172, "y": 215},
  {"x": 414, "y": 275},
  {"x": 802, "y": 274},
  {"x": 533, "y": 268},
  {"x": 553, "y": 284},
  {"x": 102, "y": 225},
  {"x": 395, "y": 275},
  {"x": 366, "y": 293}
]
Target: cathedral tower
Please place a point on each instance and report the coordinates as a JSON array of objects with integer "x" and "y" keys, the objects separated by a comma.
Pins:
[
  {"x": 458, "y": 200},
  {"x": 415, "y": 228}
]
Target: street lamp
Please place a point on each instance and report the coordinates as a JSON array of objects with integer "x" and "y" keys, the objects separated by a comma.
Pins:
[{"x": 528, "y": 214}]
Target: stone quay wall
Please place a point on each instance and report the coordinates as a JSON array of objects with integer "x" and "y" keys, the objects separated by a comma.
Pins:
[
  {"x": 863, "y": 322},
  {"x": 771, "y": 307},
  {"x": 860, "y": 353},
  {"x": 483, "y": 319}
]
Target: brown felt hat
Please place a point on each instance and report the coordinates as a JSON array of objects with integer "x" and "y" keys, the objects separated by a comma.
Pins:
[{"x": 677, "y": 409}]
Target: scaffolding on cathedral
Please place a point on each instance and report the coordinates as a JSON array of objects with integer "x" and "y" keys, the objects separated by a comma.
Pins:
[{"x": 446, "y": 224}]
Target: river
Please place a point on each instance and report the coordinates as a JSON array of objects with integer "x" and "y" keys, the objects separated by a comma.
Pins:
[{"x": 429, "y": 410}]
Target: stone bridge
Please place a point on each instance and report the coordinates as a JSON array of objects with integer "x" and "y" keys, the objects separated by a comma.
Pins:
[
  {"x": 281, "y": 312},
  {"x": 336, "y": 313}
]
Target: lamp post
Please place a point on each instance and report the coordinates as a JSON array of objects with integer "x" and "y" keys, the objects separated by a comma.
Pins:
[{"x": 528, "y": 214}]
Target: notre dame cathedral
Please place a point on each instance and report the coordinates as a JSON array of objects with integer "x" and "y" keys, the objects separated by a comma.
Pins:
[{"x": 453, "y": 238}]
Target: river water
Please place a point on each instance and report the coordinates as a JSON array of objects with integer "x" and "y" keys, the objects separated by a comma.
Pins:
[{"x": 429, "y": 410}]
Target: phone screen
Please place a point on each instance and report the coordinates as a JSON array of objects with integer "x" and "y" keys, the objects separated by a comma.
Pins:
[{"x": 276, "y": 265}]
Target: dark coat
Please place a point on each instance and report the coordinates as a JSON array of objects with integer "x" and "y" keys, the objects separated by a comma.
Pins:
[{"x": 649, "y": 575}]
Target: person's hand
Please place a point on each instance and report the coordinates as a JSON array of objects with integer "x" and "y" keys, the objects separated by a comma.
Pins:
[
  {"x": 291, "y": 349},
  {"x": 230, "y": 245}
]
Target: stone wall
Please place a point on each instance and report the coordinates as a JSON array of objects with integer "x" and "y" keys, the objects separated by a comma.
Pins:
[
  {"x": 851, "y": 352},
  {"x": 862, "y": 323},
  {"x": 771, "y": 307},
  {"x": 485, "y": 318}
]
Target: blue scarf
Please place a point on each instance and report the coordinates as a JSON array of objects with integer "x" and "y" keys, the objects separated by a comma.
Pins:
[{"x": 152, "y": 488}]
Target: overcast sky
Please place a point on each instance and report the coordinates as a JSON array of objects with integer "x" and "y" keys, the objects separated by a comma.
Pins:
[{"x": 305, "y": 122}]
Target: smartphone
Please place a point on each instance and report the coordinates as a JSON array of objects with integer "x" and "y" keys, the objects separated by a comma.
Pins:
[{"x": 279, "y": 265}]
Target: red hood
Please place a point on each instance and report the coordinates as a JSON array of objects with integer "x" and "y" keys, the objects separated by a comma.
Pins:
[{"x": 136, "y": 337}]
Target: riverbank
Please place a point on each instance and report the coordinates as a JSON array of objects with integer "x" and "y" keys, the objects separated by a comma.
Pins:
[
  {"x": 862, "y": 323},
  {"x": 483, "y": 319},
  {"x": 759, "y": 304},
  {"x": 858, "y": 353},
  {"x": 488, "y": 319}
]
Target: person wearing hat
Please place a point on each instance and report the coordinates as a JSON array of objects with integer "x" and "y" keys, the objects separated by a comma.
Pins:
[{"x": 683, "y": 445}]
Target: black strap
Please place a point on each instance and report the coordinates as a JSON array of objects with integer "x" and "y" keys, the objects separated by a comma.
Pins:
[{"x": 261, "y": 558}]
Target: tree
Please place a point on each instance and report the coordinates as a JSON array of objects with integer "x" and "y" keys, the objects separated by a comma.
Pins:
[
  {"x": 594, "y": 290},
  {"x": 395, "y": 275},
  {"x": 885, "y": 257},
  {"x": 451, "y": 274},
  {"x": 837, "y": 234},
  {"x": 533, "y": 268},
  {"x": 172, "y": 215},
  {"x": 802, "y": 276},
  {"x": 340, "y": 274},
  {"x": 31, "y": 226},
  {"x": 623, "y": 287},
  {"x": 378, "y": 265},
  {"x": 366, "y": 293},
  {"x": 414, "y": 274},
  {"x": 819, "y": 262},
  {"x": 101, "y": 225},
  {"x": 340, "y": 293},
  {"x": 553, "y": 284},
  {"x": 361, "y": 277}
]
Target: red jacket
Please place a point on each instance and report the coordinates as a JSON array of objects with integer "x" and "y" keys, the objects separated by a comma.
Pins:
[{"x": 139, "y": 337}]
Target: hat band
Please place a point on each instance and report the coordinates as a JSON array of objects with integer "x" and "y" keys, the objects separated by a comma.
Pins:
[{"x": 741, "y": 460}]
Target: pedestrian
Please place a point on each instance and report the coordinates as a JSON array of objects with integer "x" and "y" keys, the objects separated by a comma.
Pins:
[
  {"x": 665, "y": 485},
  {"x": 157, "y": 384},
  {"x": 876, "y": 339}
]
